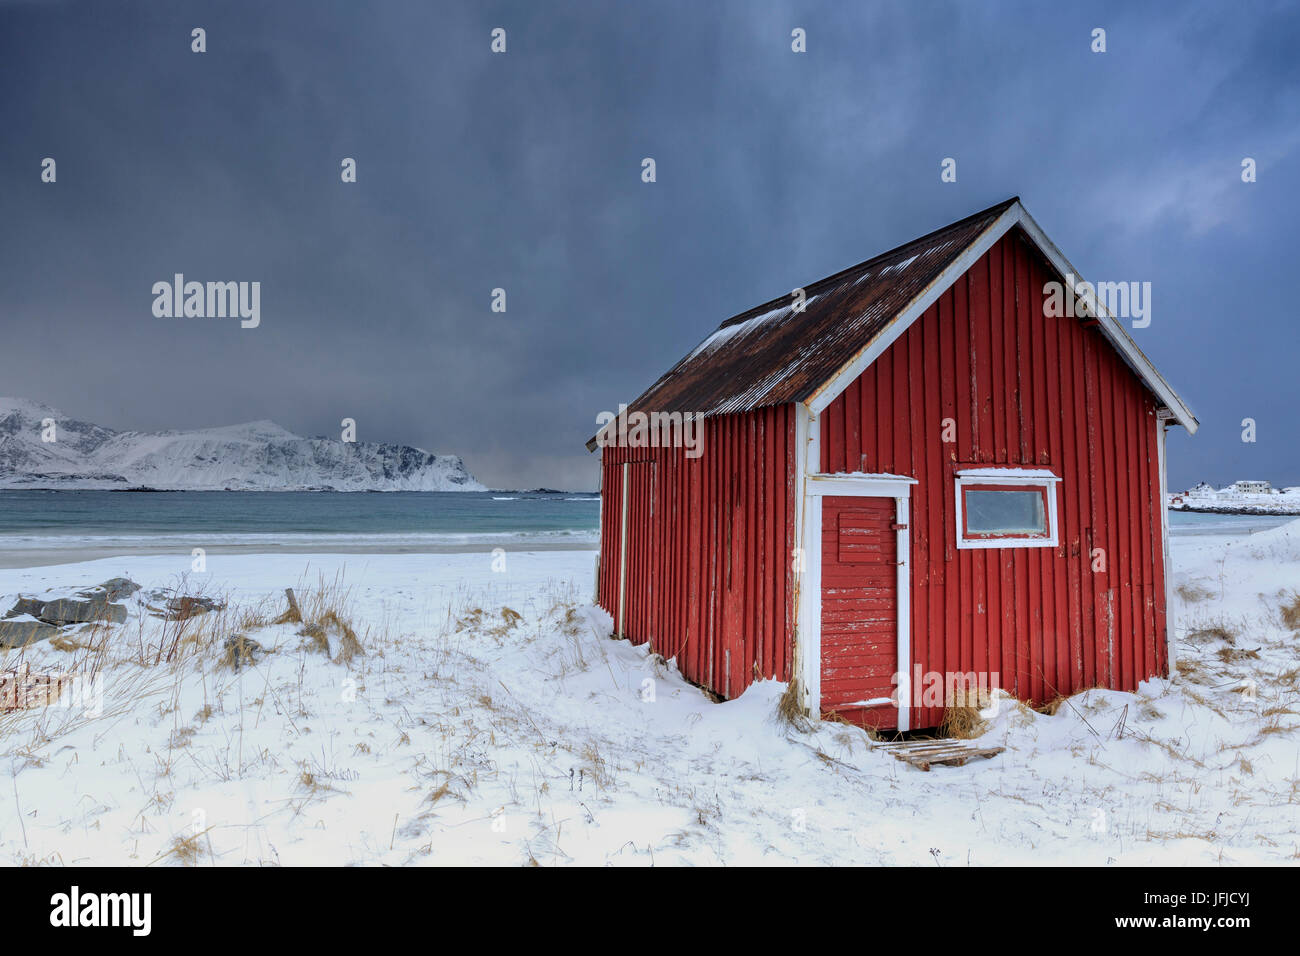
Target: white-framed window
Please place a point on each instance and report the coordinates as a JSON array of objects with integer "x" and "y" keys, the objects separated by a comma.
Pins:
[{"x": 1007, "y": 508}]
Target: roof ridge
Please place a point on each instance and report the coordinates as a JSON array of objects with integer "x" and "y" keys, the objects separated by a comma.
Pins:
[
  {"x": 993, "y": 211},
  {"x": 755, "y": 360}
]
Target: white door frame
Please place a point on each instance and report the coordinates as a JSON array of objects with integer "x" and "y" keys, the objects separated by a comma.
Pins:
[
  {"x": 815, "y": 486},
  {"x": 1163, "y": 419}
]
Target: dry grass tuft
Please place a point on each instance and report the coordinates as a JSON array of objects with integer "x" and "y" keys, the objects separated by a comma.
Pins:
[
  {"x": 324, "y": 611},
  {"x": 1190, "y": 670},
  {"x": 450, "y": 785},
  {"x": 1291, "y": 612},
  {"x": 510, "y": 619},
  {"x": 62, "y": 643},
  {"x": 1150, "y": 712},
  {"x": 471, "y": 620},
  {"x": 597, "y": 767},
  {"x": 1191, "y": 593},
  {"x": 572, "y": 622},
  {"x": 963, "y": 723},
  {"x": 239, "y": 651},
  {"x": 311, "y": 783},
  {"x": 477, "y": 620},
  {"x": 349, "y": 645},
  {"x": 250, "y": 617},
  {"x": 315, "y": 634},
  {"x": 1052, "y": 706},
  {"x": 961, "y": 714},
  {"x": 790, "y": 709},
  {"x": 1213, "y": 632},
  {"x": 290, "y": 616},
  {"x": 186, "y": 850}
]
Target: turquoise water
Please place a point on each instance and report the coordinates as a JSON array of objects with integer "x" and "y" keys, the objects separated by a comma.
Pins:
[
  {"x": 92, "y": 523},
  {"x": 1185, "y": 522},
  {"x": 46, "y": 527}
]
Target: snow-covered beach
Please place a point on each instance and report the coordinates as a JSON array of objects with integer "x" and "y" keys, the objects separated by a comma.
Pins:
[{"x": 491, "y": 720}]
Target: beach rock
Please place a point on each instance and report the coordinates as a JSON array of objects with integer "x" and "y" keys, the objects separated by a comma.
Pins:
[
  {"x": 22, "y": 633},
  {"x": 25, "y": 606},
  {"x": 91, "y": 606},
  {"x": 185, "y": 607},
  {"x": 70, "y": 611},
  {"x": 114, "y": 589},
  {"x": 180, "y": 608}
]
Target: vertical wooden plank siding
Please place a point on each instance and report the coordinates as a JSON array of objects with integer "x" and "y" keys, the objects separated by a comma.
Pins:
[
  {"x": 1022, "y": 390},
  {"x": 710, "y": 544}
]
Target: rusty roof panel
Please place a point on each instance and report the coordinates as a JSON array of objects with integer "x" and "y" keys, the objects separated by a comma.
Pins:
[{"x": 771, "y": 354}]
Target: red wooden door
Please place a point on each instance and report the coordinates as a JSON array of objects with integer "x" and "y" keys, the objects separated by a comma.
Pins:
[
  {"x": 639, "y": 583},
  {"x": 859, "y": 617}
]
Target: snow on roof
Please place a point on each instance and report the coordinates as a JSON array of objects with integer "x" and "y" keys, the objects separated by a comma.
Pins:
[{"x": 772, "y": 354}]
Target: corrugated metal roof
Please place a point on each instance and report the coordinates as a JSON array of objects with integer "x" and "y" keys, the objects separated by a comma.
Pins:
[{"x": 772, "y": 354}]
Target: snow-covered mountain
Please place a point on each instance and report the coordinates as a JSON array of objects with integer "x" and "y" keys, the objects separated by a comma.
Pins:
[{"x": 258, "y": 456}]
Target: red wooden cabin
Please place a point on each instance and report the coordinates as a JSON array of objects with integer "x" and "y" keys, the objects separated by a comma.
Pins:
[{"x": 913, "y": 471}]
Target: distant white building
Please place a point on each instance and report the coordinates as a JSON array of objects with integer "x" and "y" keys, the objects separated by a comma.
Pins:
[
  {"x": 1252, "y": 487},
  {"x": 1202, "y": 490}
]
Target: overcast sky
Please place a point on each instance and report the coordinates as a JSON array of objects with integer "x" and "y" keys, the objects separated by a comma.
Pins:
[{"x": 522, "y": 171}]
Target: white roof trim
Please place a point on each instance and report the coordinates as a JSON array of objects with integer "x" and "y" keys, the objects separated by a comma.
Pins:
[
  {"x": 1014, "y": 215},
  {"x": 861, "y": 484},
  {"x": 866, "y": 476},
  {"x": 999, "y": 474}
]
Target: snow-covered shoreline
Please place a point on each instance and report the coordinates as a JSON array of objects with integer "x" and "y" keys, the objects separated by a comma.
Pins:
[
  {"x": 465, "y": 734},
  {"x": 1268, "y": 508},
  {"x": 1240, "y": 498}
]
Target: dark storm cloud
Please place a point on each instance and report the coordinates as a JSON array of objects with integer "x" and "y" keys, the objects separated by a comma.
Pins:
[{"x": 522, "y": 171}]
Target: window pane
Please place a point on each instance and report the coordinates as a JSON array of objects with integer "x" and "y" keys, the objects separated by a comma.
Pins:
[{"x": 1005, "y": 512}]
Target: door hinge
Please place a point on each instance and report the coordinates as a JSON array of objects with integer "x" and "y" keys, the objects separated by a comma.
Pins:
[{"x": 897, "y": 527}]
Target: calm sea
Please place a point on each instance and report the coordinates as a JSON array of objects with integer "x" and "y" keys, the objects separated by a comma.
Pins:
[
  {"x": 48, "y": 527},
  {"x": 54, "y": 527},
  {"x": 1185, "y": 523}
]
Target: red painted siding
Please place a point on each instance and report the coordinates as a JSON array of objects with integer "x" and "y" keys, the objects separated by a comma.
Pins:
[
  {"x": 709, "y": 549},
  {"x": 1023, "y": 390}
]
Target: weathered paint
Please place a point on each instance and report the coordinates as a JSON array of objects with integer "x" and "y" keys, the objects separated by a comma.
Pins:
[
  {"x": 709, "y": 542},
  {"x": 859, "y": 609},
  {"x": 1024, "y": 390},
  {"x": 949, "y": 327}
]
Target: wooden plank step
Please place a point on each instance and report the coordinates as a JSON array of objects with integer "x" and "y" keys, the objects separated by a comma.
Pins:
[
  {"x": 923, "y": 754},
  {"x": 925, "y": 742},
  {"x": 914, "y": 745}
]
